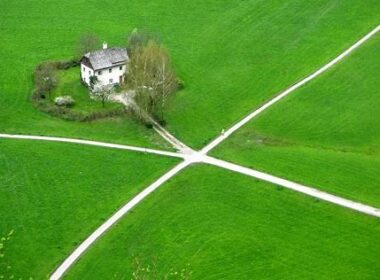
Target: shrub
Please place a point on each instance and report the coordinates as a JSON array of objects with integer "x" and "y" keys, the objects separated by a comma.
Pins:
[
  {"x": 66, "y": 101},
  {"x": 93, "y": 81},
  {"x": 45, "y": 79}
]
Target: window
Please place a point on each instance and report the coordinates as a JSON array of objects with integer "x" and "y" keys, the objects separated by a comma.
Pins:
[
  {"x": 83, "y": 69},
  {"x": 110, "y": 70},
  {"x": 99, "y": 72},
  {"x": 89, "y": 72},
  {"x": 111, "y": 81},
  {"x": 121, "y": 67}
]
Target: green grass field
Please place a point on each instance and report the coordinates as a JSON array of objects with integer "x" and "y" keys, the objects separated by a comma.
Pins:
[
  {"x": 227, "y": 226},
  {"x": 326, "y": 134},
  {"x": 69, "y": 84},
  {"x": 53, "y": 195},
  {"x": 231, "y": 55}
]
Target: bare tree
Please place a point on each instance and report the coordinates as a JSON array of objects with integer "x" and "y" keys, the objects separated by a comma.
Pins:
[
  {"x": 102, "y": 93},
  {"x": 167, "y": 82},
  {"x": 152, "y": 78},
  {"x": 88, "y": 42},
  {"x": 139, "y": 39}
]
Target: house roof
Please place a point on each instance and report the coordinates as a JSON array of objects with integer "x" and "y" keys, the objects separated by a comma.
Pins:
[{"x": 106, "y": 58}]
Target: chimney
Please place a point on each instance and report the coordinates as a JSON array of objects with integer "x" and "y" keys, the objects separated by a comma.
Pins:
[{"x": 105, "y": 46}]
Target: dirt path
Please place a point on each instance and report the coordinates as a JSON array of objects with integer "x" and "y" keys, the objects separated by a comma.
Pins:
[
  {"x": 94, "y": 143},
  {"x": 126, "y": 99},
  {"x": 372, "y": 211}
]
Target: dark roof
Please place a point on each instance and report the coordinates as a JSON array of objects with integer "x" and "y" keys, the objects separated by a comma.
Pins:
[{"x": 106, "y": 58}]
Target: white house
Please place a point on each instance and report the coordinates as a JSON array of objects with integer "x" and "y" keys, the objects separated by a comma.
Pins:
[{"x": 108, "y": 65}]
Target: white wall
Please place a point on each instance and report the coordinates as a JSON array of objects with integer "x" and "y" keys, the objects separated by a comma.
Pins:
[
  {"x": 105, "y": 76},
  {"x": 86, "y": 73}
]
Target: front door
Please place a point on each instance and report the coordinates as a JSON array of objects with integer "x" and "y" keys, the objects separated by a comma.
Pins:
[{"x": 120, "y": 79}]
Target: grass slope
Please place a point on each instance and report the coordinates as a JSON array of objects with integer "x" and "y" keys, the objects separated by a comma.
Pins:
[
  {"x": 53, "y": 195},
  {"x": 325, "y": 135},
  {"x": 231, "y": 55},
  {"x": 228, "y": 226}
]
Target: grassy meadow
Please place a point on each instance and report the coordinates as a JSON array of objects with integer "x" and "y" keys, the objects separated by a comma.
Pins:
[
  {"x": 223, "y": 225},
  {"x": 231, "y": 55},
  {"x": 326, "y": 134},
  {"x": 53, "y": 195}
]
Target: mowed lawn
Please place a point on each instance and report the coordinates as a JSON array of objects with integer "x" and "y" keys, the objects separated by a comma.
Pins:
[
  {"x": 222, "y": 225},
  {"x": 53, "y": 195},
  {"x": 231, "y": 55},
  {"x": 325, "y": 135}
]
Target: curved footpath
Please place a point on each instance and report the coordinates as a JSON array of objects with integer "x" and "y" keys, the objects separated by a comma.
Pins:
[{"x": 191, "y": 157}]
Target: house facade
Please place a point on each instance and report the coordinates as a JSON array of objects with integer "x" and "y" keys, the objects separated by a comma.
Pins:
[{"x": 108, "y": 65}]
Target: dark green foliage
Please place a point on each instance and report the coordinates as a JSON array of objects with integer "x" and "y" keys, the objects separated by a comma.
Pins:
[
  {"x": 93, "y": 81},
  {"x": 45, "y": 80}
]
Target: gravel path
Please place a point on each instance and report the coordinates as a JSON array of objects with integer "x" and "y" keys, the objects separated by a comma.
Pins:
[
  {"x": 372, "y": 211},
  {"x": 93, "y": 143},
  {"x": 126, "y": 98}
]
